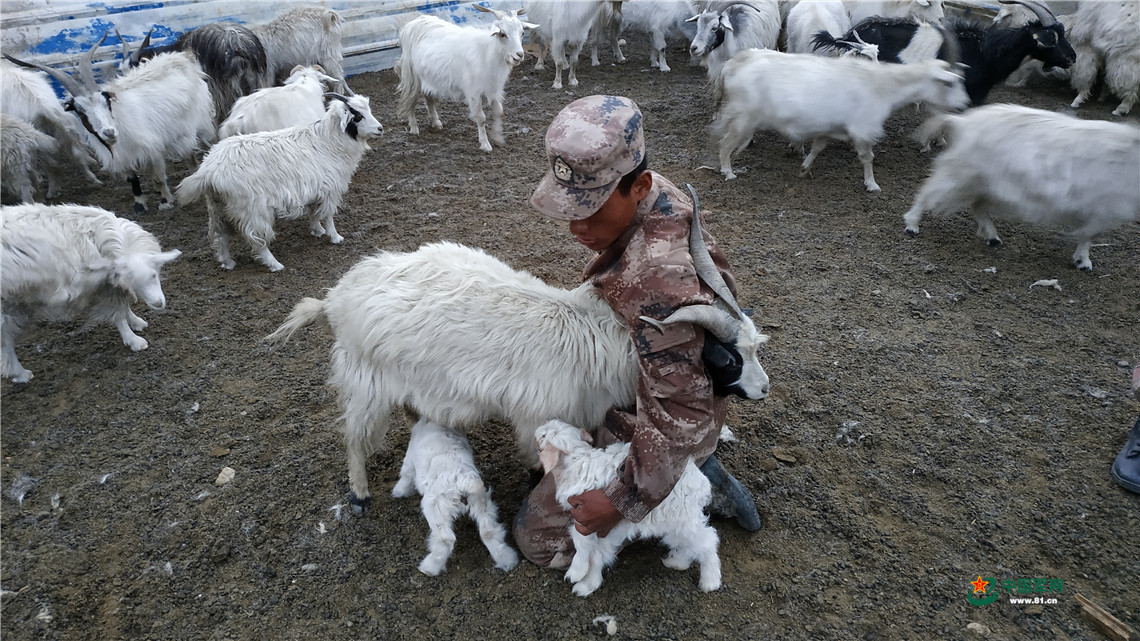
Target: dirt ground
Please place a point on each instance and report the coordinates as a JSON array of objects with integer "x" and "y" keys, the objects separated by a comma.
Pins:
[{"x": 934, "y": 418}]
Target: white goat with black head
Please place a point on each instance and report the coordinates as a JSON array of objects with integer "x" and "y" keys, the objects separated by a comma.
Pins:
[
  {"x": 303, "y": 36},
  {"x": 300, "y": 101},
  {"x": 726, "y": 27},
  {"x": 1013, "y": 162},
  {"x": 679, "y": 521},
  {"x": 461, "y": 338},
  {"x": 443, "y": 61},
  {"x": 440, "y": 466},
  {"x": 158, "y": 111},
  {"x": 250, "y": 180},
  {"x": 28, "y": 96}
]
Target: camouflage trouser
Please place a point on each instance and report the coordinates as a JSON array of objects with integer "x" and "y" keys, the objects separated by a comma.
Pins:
[{"x": 542, "y": 528}]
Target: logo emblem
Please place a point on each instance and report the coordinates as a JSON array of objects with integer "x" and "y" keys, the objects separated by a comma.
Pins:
[{"x": 562, "y": 171}]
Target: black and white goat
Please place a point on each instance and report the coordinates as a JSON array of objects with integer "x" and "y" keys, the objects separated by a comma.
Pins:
[
  {"x": 989, "y": 53},
  {"x": 251, "y": 180},
  {"x": 158, "y": 111},
  {"x": 726, "y": 27}
]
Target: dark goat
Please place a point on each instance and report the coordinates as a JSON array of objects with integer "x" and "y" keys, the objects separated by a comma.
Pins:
[
  {"x": 989, "y": 53},
  {"x": 233, "y": 58}
]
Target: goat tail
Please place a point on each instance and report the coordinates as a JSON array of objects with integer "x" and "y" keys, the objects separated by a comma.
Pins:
[
  {"x": 192, "y": 188},
  {"x": 934, "y": 127},
  {"x": 409, "y": 87},
  {"x": 304, "y": 314},
  {"x": 827, "y": 42}
]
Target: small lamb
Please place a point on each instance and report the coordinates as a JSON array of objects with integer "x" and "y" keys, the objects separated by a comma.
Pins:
[
  {"x": 440, "y": 466},
  {"x": 679, "y": 520}
]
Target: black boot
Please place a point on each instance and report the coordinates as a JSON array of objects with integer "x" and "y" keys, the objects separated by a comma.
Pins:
[{"x": 730, "y": 499}]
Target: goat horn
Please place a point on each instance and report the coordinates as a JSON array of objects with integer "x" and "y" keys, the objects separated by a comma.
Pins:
[
  {"x": 496, "y": 13},
  {"x": 137, "y": 57},
  {"x": 123, "y": 43},
  {"x": 67, "y": 81},
  {"x": 703, "y": 262},
  {"x": 86, "y": 67},
  {"x": 714, "y": 319},
  {"x": 1043, "y": 13},
  {"x": 333, "y": 94}
]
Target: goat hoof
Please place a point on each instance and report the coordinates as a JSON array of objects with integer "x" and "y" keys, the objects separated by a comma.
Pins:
[
  {"x": 911, "y": 232},
  {"x": 139, "y": 209},
  {"x": 994, "y": 242},
  {"x": 165, "y": 204},
  {"x": 359, "y": 505}
]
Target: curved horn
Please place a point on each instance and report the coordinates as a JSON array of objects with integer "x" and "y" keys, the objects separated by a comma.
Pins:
[
  {"x": 703, "y": 262},
  {"x": 497, "y": 14},
  {"x": 67, "y": 81},
  {"x": 1043, "y": 13},
  {"x": 714, "y": 319},
  {"x": 333, "y": 94},
  {"x": 136, "y": 58},
  {"x": 86, "y": 67},
  {"x": 126, "y": 49}
]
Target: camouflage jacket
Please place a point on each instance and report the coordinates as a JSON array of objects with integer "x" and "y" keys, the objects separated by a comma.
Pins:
[{"x": 648, "y": 272}]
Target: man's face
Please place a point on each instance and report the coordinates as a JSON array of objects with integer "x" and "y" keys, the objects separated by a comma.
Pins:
[{"x": 608, "y": 223}]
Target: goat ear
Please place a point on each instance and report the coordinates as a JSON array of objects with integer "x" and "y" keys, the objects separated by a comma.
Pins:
[
  {"x": 496, "y": 31},
  {"x": 296, "y": 69},
  {"x": 550, "y": 457},
  {"x": 725, "y": 21}
]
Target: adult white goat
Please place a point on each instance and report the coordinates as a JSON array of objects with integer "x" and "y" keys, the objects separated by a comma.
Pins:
[
  {"x": 462, "y": 338},
  {"x": 562, "y": 25},
  {"x": 806, "y": 97},
  {"x": 658, "y": 19},
  {"x": 917, "y": 10},
  {"x": 443, "y": 61},
  {"x": 252, "y": 179},
  {"x": 22, "y": 151},
  {"x": 1008, "y": 161},
  {"x": 727, "y": 27},
  {"x": 27, "y": 95},
  {"x": 679, "y": 521},
  {"x": 303, "y": 36},
  {"x": 158, "y": 111},
  {"x": 59, "y": 260},
  {"x": 440, "y": 466},
  {"x": 299, "y": 102},
  {"x": 1110, "y": 31}
]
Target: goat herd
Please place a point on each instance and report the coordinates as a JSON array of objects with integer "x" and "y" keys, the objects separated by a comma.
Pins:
[{"x": 256, "y": 98}]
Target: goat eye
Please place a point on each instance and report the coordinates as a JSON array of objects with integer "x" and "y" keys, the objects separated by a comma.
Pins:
[{"x": 69, "y": 105}]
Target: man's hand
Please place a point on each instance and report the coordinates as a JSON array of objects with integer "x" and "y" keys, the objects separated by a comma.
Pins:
[{"x": 593, "y": 513}]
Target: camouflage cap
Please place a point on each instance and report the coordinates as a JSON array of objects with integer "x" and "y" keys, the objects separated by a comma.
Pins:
[{"x": 590, "y": 145}]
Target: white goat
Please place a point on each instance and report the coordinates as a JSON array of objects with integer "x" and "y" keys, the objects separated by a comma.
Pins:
[
  {"x": 462, "y": 338},
  {"x": 59, "y": 260},
  {"x": 443, "y": 61},
  {"x": 22, "y": 149},
  {"x": 252, "y": 179},
  {"x": 159, "y": 111},
  {"x": 679, "y": 521},
  {"x": 440, "y": 466},
  {"x": 658, "y": 19},
  {"x": 917, "y": 10},
  {"x": 303, "y": 36},
  {"x": 726, "y": 27},
  {"x": 806, "y": 97},
  {"x": 27, "y": 95},
  {"x": 1111, "y": 32},
  {"x": 1008, "y": 161},
  {"x": 561, "y": 25},
  {"x": 299, "y": 102}
]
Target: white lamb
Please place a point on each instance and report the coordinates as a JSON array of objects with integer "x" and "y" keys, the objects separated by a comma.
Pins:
[
  {"x": 299, "y": 101},
  {"x": 440, "y": 466},
  {"x": 252, "y": 179},
  {"x": 679, "y": 521},
  {"x": 59, "y": 260}
]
